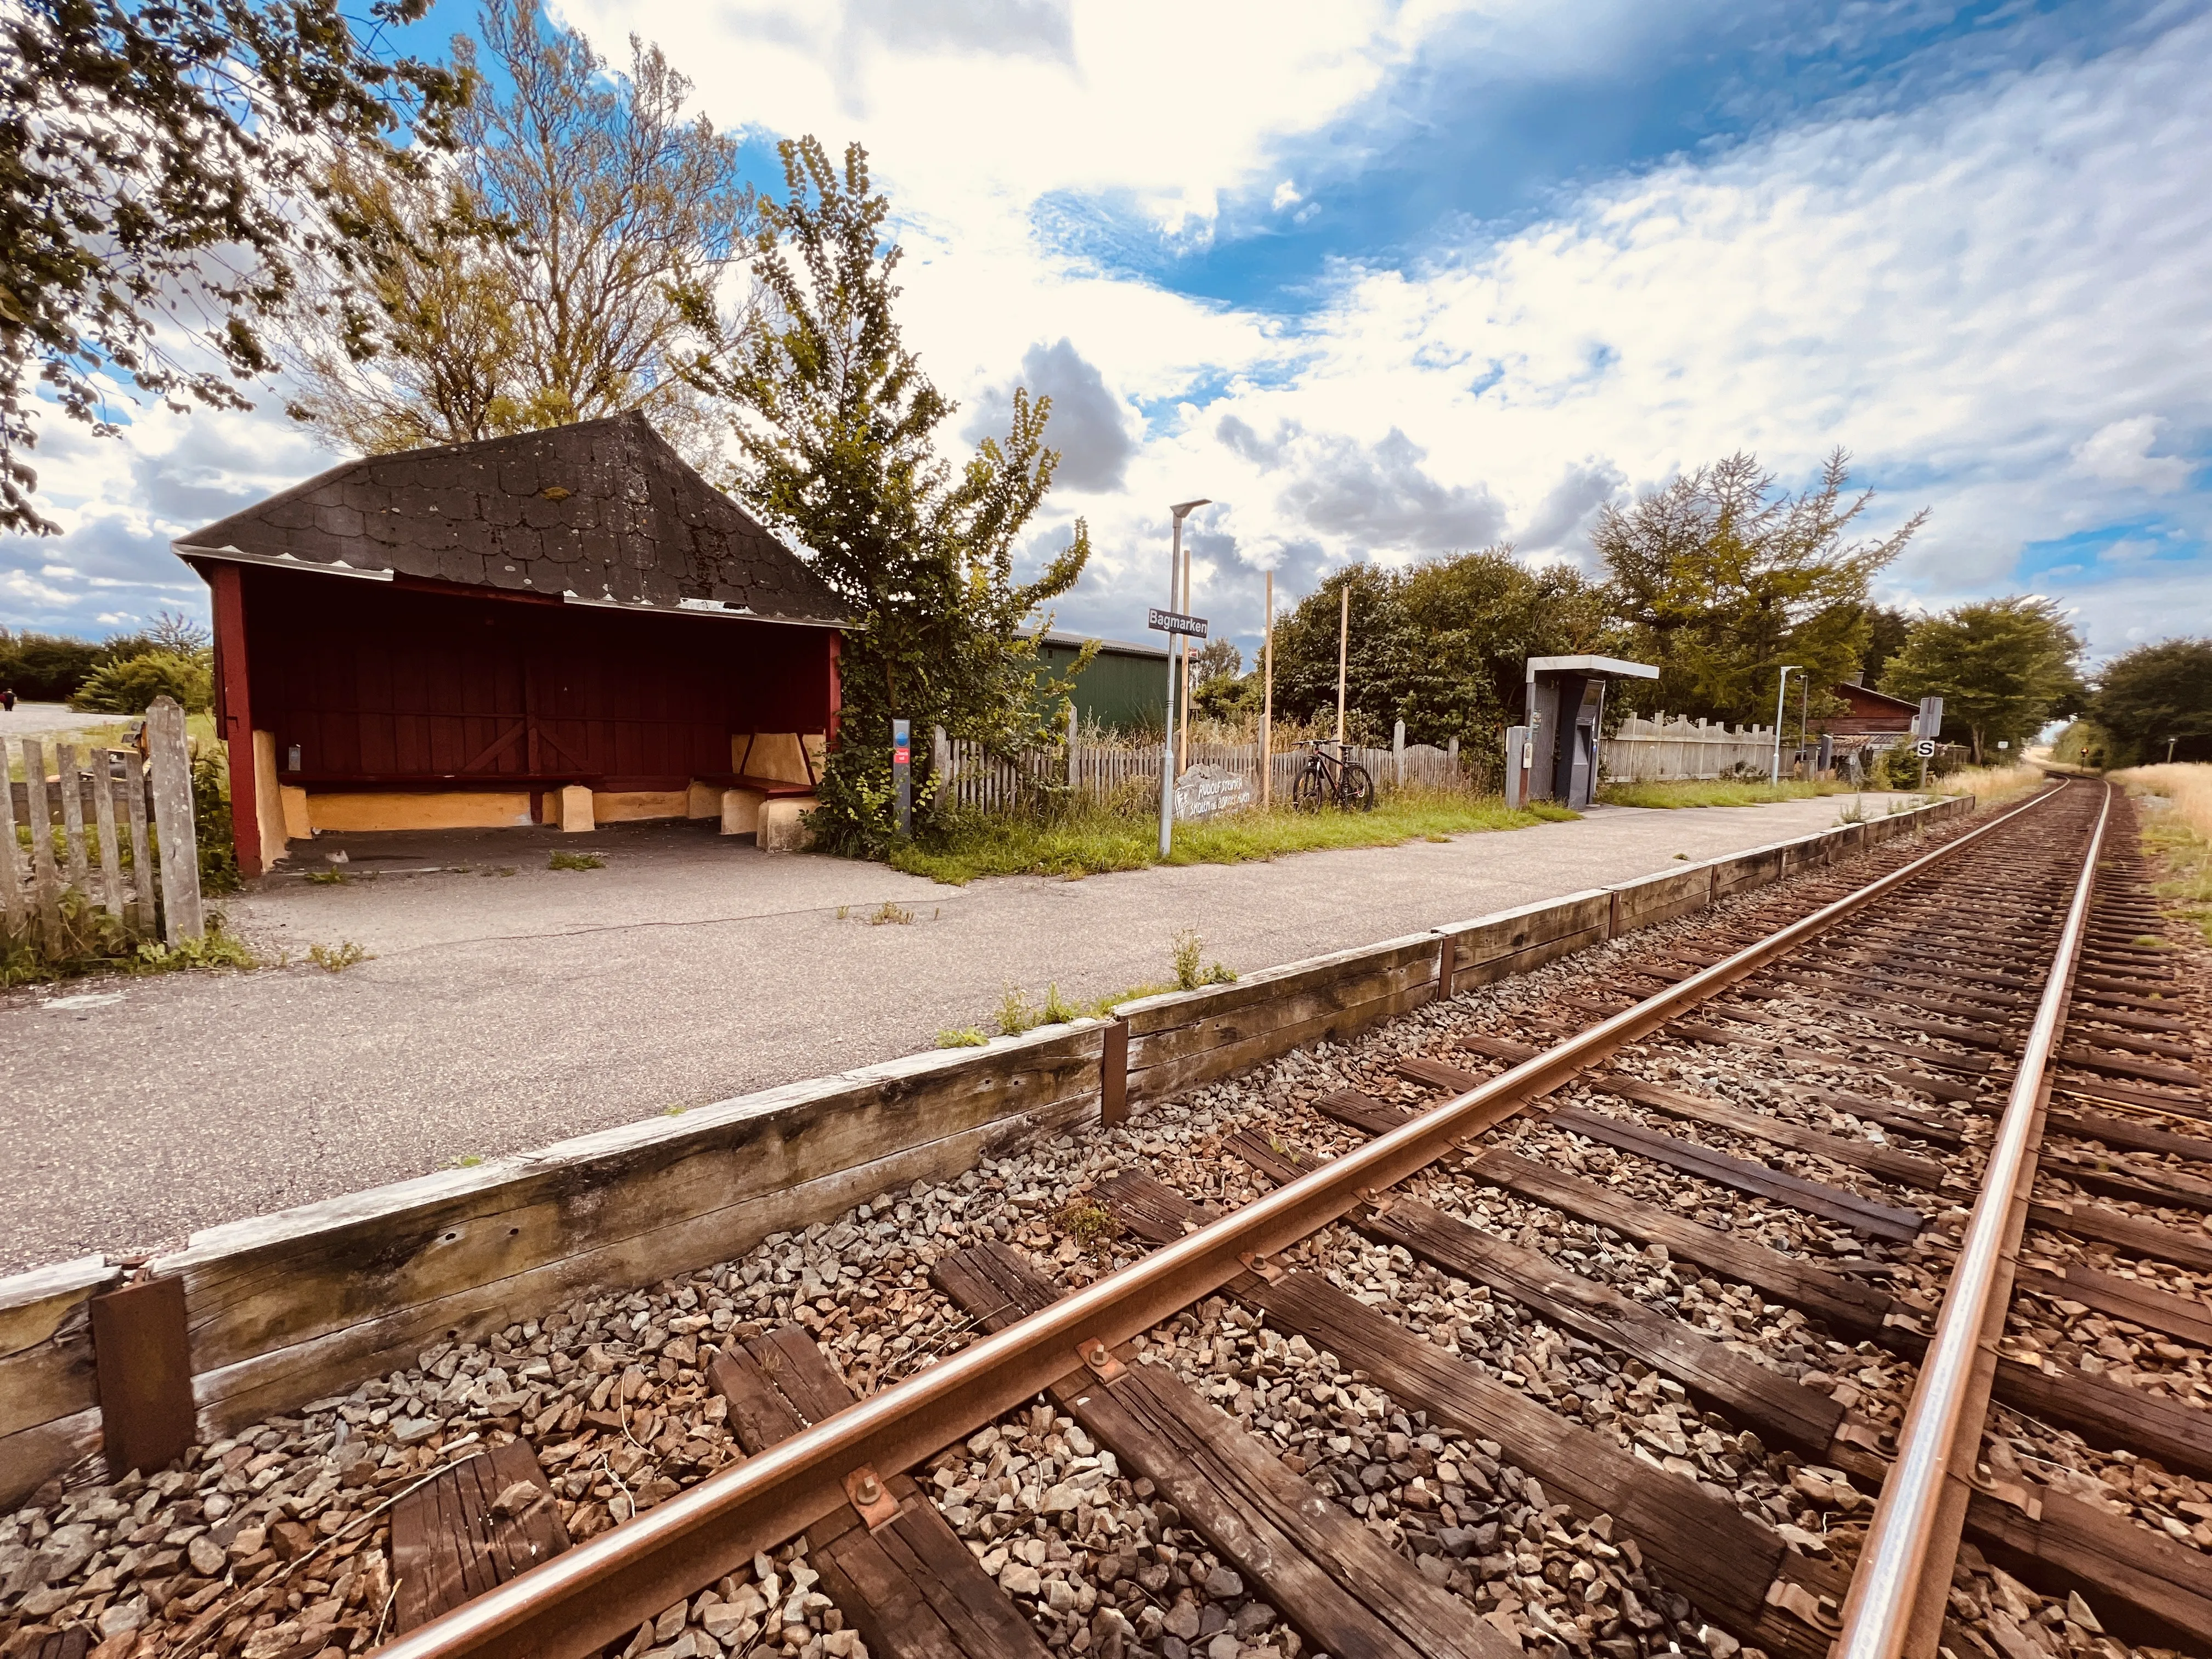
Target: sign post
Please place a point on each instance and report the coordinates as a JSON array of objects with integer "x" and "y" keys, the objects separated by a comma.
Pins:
[
  {"x": 1179, "y": 629},
  {"x": 903, "y": 778}
]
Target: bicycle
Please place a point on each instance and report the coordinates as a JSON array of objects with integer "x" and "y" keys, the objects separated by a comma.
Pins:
[{"x": 1327, "y": 779}]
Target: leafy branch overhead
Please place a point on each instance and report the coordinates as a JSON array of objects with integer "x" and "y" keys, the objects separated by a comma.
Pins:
[{"x": 159, "y": 166}]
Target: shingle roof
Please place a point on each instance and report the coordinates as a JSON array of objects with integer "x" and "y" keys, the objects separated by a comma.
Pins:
[{"x": 601, "y": 510}]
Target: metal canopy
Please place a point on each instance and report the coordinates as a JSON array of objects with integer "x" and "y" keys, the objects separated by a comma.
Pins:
[{"x": 1612, "y": 665}]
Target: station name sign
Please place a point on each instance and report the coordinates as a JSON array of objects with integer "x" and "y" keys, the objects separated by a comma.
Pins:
[{"x": 1174, "y": 622}]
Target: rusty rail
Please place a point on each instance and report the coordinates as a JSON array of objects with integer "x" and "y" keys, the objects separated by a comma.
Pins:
[
  {"x": 1895, "y": 1563},
  {"x": 579, "y": 1601}
]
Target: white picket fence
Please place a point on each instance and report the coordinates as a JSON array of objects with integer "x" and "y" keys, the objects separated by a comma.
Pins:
[
  {"x": 112, "y": 826},
  {"x": 1670, "y": 746},
  {"x": 975, "y": 780}
]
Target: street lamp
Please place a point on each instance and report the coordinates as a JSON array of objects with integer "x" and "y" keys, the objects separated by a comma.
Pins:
[
  {"x": 1179, "y": 512},
  {"x": 1781, "y": 693}
]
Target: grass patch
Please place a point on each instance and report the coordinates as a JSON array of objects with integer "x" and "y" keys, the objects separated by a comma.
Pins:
[
  {"x": 575, "y": 861},
  {"x": 1714, "y": 791},
  {"x": 94, "y": 942},
  {"x": 1097, "y": 841},
  {"x": 2179, "y": 835},
  {"x": 1092, "y": 1226},
  {"x": 337, "y": 958},
  {"x": 966, "y": 1036},
  {"x": 333, "y": 877}
]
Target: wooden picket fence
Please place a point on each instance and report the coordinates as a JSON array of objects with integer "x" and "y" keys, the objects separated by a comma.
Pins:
[
  {"x": 977, "y": 781},
  {"x": 1672, "y": 746},
  {"x": 111, "y": 826}
]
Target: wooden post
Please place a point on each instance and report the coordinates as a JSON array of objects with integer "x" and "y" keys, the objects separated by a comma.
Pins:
[
  {"x": 1074, "y": 724},
  {"x": 1398, "y": 754},
  {"x": 1343, "y": 637},
  {"x": 1114, "y": 1076},
  {"x": 142, "y": 848},
  {"x": 103, "y": 812},
  {"x": 234, "y": 706},
  {"x": 44, "y": 877},
  {"x": 142, "y": 1367},
  {"x": 17, "y": 906},
  {"x": 1267, "y": 700},
  {"x": 1451, "y": 760},
  {"x": 182, "y": 917},
  {"x": 1447, "y": 964}
]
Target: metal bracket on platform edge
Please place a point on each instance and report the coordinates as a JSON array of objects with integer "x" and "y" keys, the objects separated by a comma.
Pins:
[{"x": 871, "y": 1497}]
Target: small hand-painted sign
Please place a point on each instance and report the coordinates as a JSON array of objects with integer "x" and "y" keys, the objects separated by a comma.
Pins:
[
  {"x": 1206, "y": 791},
  {"x": 1175, "y": 621}
]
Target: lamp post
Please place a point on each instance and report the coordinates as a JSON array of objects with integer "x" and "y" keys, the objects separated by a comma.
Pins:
[
  {"x": 1781, "y": 695},
  {"x": 1179, "y": 512}
]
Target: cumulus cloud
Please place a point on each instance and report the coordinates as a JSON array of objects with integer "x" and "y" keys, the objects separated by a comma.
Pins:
[
  {"x": 2119, "y": 452},
  {"x": 1089, "y": 426},
  {"x": 1582, "y": 490}
]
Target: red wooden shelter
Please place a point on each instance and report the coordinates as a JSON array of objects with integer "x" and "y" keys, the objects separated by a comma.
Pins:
[{"x": 478, "y": 634}]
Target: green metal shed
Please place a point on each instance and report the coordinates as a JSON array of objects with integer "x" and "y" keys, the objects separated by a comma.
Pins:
[{"x": 1126, "y": 685}]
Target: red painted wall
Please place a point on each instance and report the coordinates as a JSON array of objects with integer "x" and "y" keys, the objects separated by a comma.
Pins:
[{"x": 399, "y": 683}]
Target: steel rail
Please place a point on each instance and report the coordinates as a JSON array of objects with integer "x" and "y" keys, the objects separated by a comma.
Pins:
[
  {"x": 577, "y": 1602},
  {"x": 1879, "y": 1609}
]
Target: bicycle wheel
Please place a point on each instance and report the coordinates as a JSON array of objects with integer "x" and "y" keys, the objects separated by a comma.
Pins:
[
  {"x": 1310, "y": 788},
  {"x": 1355, "y": 791}
]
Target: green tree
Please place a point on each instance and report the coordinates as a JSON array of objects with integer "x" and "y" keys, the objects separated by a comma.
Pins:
[
  {"x": 2155, "y": 692},
  {"x": 2003, "y": 668},
  {"x": 1887, "y": 627},
  {"x": 836, "y": 421},
  {"x": 1726, "y": 579},
  {"x": 563, "y": 264},
  {"x": 159, "y": 164},
  {"x": 1442, "y": 647}
]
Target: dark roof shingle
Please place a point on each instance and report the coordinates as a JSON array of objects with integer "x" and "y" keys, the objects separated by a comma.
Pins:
[{"x": 603, "y": 510}]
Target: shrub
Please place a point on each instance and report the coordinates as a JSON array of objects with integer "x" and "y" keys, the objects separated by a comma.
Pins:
[{"x": 131, "y": 686}]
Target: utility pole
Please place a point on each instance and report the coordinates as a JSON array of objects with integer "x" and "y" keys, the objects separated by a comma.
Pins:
[
  {"x": 1781, "y": 695},
  {"x": 1181, "y": 510},
  {"x": 1803, "y": 682},
  {"x": 1343, "y": 635},
  {"x": 1267, "y": 700},
  {"x": 2169, "y": 751},
  {"x": 1183, "y": 739}
]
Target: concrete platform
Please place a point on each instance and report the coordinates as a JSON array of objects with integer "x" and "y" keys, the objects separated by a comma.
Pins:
[{"x": 500, "y": 1012}]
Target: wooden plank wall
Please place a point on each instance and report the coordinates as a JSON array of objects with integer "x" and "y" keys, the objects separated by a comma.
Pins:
[{"x": 292, "y": 1307}]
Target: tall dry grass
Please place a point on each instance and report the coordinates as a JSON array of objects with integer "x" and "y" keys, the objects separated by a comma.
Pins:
[
  {"x": 2187, "y": 784},
  {"x": 1988, "y": 783}
]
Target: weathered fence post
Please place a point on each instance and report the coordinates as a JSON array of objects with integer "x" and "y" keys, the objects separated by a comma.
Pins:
[
  {"x": 68, "y": 778},
  {"x": 1451, "y": 761},
  {"x": 1073, "y": 727},
  {"x": 18, "y": 908},
  {"x": 1114, "y": 1076},
  {"x": 1398, "y": 754},
  {"x": 182, "y": 917},
  {"x": 43, "y": 877},
  {"x": 142, "y": 848},
  {"x": 103, "y": 812}
]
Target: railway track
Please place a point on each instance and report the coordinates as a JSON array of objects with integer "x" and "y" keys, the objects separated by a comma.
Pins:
[{"x": 1823, "y": 1274}]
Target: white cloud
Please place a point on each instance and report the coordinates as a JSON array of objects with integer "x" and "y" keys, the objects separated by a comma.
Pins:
[{"x": 2119, "y": 452}]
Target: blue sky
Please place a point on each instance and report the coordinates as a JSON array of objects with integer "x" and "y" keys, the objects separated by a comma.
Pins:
[{"x": 1388, "y": 280}]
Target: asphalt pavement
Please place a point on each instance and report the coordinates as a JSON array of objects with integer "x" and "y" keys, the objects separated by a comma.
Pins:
[{"x": 498, "y": 1011}]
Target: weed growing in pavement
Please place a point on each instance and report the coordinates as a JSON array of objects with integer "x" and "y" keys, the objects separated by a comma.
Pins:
[
  {"x": 575, "y": 861},
  {"x": 333, "y": 877},
  {"x": 674, "y": 1111},
  {"x": 1683, "y": 856},
  {"x": 1855, "y": 812},
  {"x": 843, "y": 911},
  {"x": 497, "y": 870},
  {"x": 1188, "y": 975},
  {"x": 1058, "y": 1010},
  {"x": 1015, "y": 1015},
  {"x": 467, "y": 1161},
  {"x": 895, "y": 914},
  {"x": 337, "y": 958},
  {"x": 966, "y": 1037},
  {"x": 91, "y": 941}
]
